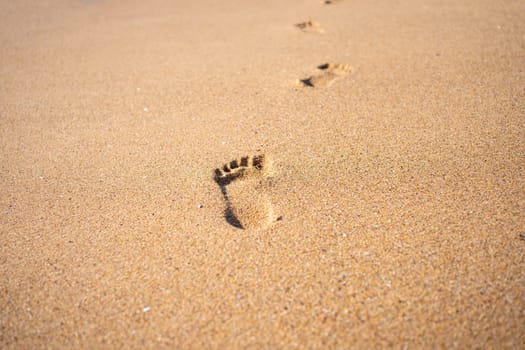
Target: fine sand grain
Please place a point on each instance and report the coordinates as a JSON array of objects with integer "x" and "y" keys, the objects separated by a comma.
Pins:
[{"x": 218, "y": 174}]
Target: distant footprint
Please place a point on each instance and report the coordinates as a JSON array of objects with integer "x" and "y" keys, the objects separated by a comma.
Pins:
[
  {"x": 244, "y": 184},
  {"x": 330, "y": 73},
  {"x": 310, "y": 27}
]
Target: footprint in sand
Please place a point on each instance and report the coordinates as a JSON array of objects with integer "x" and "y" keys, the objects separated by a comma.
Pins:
[
  {"x": 310, "y": 27},
  {"x": 244, "y": 183},
  {"x": 330, "y": 73}
]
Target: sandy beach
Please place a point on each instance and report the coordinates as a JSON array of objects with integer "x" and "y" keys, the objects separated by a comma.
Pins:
[{"x": 262, "y": 174}]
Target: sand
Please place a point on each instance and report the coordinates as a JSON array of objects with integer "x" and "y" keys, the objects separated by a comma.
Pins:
[{"x": 388, "y": 209}]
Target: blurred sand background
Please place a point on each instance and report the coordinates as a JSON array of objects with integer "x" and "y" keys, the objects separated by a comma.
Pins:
[{"x": 395, "y": 202}]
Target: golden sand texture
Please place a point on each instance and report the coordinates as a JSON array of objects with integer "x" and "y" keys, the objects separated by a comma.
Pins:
[{"x": 391, "y": 214}]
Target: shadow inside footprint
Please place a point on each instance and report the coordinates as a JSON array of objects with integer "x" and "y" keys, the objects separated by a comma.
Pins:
[
  {"x": 243, "y": 184},
  {"x": 231, "y": 218},
  {"x": 307, "y": 82}
]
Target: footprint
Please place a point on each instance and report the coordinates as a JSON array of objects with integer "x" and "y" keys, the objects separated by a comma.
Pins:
[
  {"x": 310, "y": 27},
  {"x": 244, "y": 183},
  {"x": 330, "y": 73}
]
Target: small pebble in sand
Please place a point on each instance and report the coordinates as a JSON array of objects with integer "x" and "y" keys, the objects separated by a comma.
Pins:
[
  {"x": 146, "y": 309},
  {"x": 146, "y": 109},
  {"x": 200, "y": 206}
]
